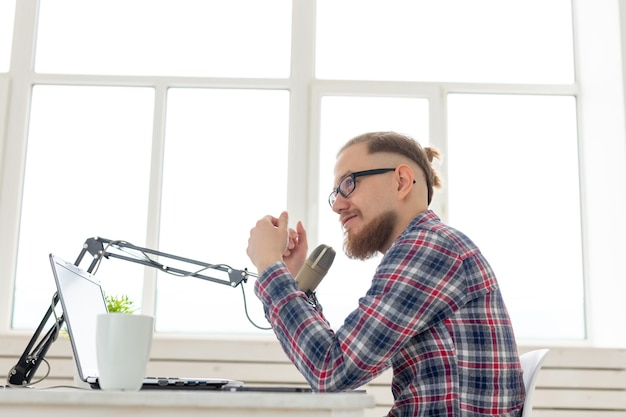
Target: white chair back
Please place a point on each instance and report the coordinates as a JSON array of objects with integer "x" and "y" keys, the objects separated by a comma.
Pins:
[{"x": 531, "y": 363}]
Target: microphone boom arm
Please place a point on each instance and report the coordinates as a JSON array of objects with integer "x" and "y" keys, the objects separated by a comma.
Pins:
[
  {"x": 22, "y": 373},
  {"x": 96, "y": 247}
]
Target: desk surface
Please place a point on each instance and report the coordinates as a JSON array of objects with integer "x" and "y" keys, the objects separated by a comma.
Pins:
[{"x": 67, "y": 402}]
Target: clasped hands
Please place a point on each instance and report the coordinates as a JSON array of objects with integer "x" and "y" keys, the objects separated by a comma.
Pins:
[{"x": 271, "y": 240}]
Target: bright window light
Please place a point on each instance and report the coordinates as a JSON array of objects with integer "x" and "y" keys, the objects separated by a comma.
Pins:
[
  {"x": 87, "y": 174},
  {"x": 519, "y": 41},
  {"x": 225, "y": 167},
  {"x": 221, "y": 161},
  {"x": 235, "y": 38},
  {"x": 514, "y": 189}
]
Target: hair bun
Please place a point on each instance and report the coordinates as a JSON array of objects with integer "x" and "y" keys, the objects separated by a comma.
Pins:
[{"x": 432, "y": 153}]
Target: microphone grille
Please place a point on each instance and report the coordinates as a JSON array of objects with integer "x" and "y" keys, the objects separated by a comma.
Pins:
[{"x": 323, "y": 256}]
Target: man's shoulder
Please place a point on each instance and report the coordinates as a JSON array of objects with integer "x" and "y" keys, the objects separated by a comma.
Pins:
[{"x": 427, "y": 230}]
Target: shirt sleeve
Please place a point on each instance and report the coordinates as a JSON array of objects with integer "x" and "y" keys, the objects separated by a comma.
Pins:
[{"x": 415, "y": 286}]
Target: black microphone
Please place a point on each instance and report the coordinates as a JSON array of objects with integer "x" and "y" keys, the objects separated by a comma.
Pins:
[{"x": 315, "y": 268}]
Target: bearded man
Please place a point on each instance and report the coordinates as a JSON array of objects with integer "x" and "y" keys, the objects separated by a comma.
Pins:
[{"x": 433, "y": 313}]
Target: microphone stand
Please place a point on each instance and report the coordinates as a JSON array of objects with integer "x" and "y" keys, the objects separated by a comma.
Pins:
[
  {"x": 96, "y": 247},
  {"x": 27, "y": 365},
  {"x": 22, "y": 373}
]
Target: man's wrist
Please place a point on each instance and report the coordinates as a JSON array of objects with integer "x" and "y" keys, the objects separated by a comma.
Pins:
[{"x": 263, "y": 265}]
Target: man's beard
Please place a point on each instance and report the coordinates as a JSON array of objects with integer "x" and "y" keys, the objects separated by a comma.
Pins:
[{"x": 369, "y": 241}]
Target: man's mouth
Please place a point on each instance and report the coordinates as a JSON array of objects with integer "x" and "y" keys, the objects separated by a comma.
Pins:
[{"x": 346, "y": 219}]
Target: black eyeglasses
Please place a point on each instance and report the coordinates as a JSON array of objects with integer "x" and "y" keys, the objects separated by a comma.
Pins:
[{"x": 348, "y": 184}]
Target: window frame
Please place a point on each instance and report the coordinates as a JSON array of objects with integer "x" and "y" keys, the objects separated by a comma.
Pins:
[{"x": 601, "y": 138}]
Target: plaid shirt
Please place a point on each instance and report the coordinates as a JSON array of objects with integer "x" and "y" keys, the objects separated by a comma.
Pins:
[{"x": 434, "y": 313}]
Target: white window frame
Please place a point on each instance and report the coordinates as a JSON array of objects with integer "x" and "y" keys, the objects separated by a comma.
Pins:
[{"x": 599, "y": 89}]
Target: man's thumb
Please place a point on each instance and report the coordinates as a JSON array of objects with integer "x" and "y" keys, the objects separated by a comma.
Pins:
[{"x": 283, "y": 220}]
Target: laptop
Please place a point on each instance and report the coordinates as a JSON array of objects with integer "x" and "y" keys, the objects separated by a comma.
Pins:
[{"x": 82, "y": 300}]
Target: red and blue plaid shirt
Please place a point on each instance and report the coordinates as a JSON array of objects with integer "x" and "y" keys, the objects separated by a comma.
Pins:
[{"x": 434, "y": 313}]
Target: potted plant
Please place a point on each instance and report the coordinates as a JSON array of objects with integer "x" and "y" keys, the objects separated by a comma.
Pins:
[{"x": 115, "y": 304}]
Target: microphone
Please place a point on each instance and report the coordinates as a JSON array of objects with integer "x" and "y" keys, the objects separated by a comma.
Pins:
[{"x": 315, "y": 268}]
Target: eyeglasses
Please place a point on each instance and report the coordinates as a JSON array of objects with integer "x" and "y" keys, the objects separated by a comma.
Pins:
[{"x": 347, "y": 184}]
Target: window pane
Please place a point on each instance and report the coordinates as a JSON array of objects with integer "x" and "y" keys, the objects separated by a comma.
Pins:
[
  {"x": 342, "y": 119},
  {"x": 7, "y": 14},
  {"x": 225, "y": 167},
  {"x": 517, "y": 41},
  {"x": 235, "y": 38},
  {"x": 87, "y": 173},
  {"x": 513, "y": 185}
]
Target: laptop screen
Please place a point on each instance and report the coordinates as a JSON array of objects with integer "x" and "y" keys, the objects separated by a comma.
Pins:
[{"x": 82, "y": 300}]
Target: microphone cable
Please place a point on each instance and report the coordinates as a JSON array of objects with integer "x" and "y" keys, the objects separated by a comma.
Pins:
[
  {"x": 161, "y": 267},
  {"x": 245, "y": 308}
]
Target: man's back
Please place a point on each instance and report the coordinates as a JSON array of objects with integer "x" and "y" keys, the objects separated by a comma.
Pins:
[{"x": 461, "y": 358}]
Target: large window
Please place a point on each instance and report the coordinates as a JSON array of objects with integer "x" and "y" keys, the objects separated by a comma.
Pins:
[
  {"x": 192, "y": 119},
  {"x": 486, "y": 41},
  {"x": 225, "y": 164},
  {"x": 236, "y": 38},
  {"x": 87, "y": 174},
  {"x": 513, "y": 177}
]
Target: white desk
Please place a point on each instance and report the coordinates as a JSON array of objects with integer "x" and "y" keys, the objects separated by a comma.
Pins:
[{"x": 62, "y": 402}]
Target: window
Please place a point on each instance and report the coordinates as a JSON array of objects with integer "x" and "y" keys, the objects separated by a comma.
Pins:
[
  {"x": 219, "y": 173},
  {"x": 192, "y": 119},
  {"x": 88, "y": 172},
  {"x": 489, "y": 141},
  {"x": 237, "y": 38},
  {"x": 513, "y": 184},
  {"x": 480, "y": 41}
]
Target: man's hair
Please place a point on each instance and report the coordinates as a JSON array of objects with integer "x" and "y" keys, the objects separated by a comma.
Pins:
[{"x": 397, "y": 143}]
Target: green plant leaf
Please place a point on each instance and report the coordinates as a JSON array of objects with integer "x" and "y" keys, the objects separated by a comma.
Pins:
[{"x": 120, "y": 304}]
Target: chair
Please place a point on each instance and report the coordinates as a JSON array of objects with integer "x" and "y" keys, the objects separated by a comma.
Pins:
[{"x": 531, "y": 363}]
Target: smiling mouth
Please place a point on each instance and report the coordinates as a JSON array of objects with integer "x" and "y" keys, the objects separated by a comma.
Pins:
[{"x": 346, "y": 219}]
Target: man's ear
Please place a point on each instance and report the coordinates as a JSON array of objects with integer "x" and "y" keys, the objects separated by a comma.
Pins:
[{"x": 406, "y": 179}]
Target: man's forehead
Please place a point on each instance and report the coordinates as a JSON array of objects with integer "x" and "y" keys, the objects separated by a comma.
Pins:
[
  {"x": 352, "y": 159},
  {"x": 357, "y": 158}
]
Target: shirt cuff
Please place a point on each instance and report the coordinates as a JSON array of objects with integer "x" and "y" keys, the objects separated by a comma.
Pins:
[{"x": 274, "y": 284}]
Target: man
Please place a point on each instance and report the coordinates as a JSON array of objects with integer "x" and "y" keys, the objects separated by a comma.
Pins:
[{"x": 434, "y": 312}]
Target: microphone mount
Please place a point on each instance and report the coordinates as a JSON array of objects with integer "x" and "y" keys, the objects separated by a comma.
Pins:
[{"x": 100, "y": 248}]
